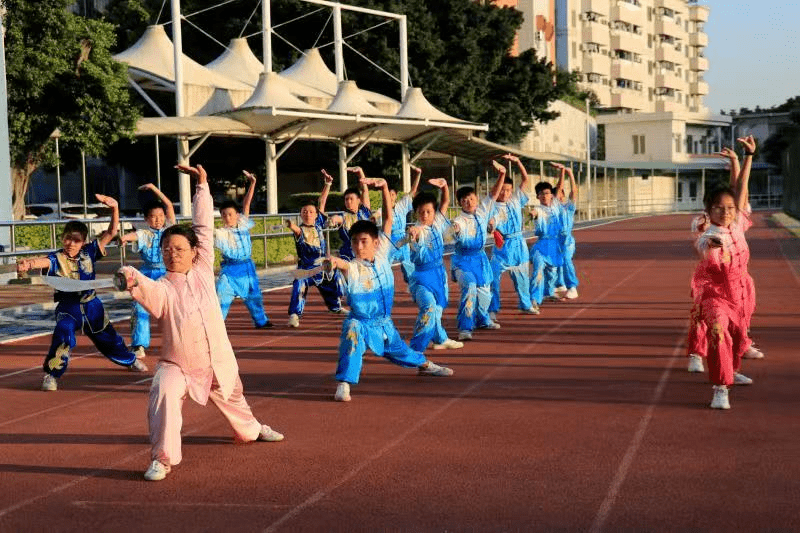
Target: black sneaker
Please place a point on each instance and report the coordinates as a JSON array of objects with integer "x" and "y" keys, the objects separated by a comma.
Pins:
[{"x": 265, "y": 325}]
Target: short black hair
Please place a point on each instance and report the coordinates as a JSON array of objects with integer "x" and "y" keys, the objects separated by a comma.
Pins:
[
  {"x": 230, "y": 204},
  {"x": 312, "y": 203},
  {"x": 424, "y": 198},
  {"x": 543, "y": 186},
  {"x": 463, "y": 192},
  {"x": 155, "y": 204},
  {"x": 185, "y": 230},
  {"x": 76, "y": 226},
  {"x": 508, "y": 181},
  {"x": 364, "y": 226},
  {"x": 713, "y": 195},
  {"x": 352, "y": 190}
]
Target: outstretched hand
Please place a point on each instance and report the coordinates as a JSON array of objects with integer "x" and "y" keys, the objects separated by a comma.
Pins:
[
  {"x": 511, "y": 157},
  {"x": 250, "y": 176},
  {"x": 197, "y": 172},
  {"x": 558, "y": 166},
  {"x": 357, "y": 170},
  {"x": 375, "y": 183},
  {"x": 106, "y": 200},
  {"x": 414, "y": 232},
  {"x": 439, "y": 183},
  {"x": 749, "y": 143},
  {"x": 416, "y": 169},
  {"x": 147, "y": 187},
  {"x": 327, "y": 177},
  {"x": 727, "y": 153},
  {"x": 498, "y": 167}
]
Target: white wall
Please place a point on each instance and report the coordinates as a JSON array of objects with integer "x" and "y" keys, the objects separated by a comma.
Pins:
[{"x": 565, "y": 135}]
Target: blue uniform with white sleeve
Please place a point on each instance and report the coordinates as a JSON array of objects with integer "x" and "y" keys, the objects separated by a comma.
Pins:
[
  {"x": 471, "y": 268},
  {"x": 350, "y": 218},
  {"x": 148, "y": 244},
  {"x": 400, "y": 213},
  {"x": 567, "y": 276},
  {"x": 81, "y": 311},
  {"x": 311, "y": 251},
  {"x": 237, "y": 276},
  {"x": 429, "y": 283},
  {"x": 546, "y": 253},
  {"x": 513, "y": 256},
  {"x": 370, "y": 294}
]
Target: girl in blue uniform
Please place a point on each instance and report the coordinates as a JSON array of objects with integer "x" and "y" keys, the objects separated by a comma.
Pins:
[
  {"x": 429, "y": 279},
  {"x": 159, "y": 215},
  {"x": 546, "y": 253},
  {"x": 369, "y": 282},
  {"x": 237, "y": 275},
  {"x": 567, "y": 276},
  {"x": 470, "y": 267},
  {"x": 512, "y": 255},
  {"x": 80, "y": 310}
]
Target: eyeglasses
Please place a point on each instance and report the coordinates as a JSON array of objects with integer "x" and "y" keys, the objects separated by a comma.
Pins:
[
  {"x": 175, "y": 251},
  {"x": 723, "y": 208}
]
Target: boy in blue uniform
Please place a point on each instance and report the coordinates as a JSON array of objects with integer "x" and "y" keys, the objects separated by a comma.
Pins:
[
  {"x": 429, "y": 279},
  {"x": 369, "y": 281},
  {"x": 159, "y": 215},
  {"x": 512, "y": 254},
  {"x": 546, "y": 253},
  {"x": 356, "y": 207},
  {"x": 80, "y": 310},
  {"x": 470, "y": 267},
  {"x": 309, "y": 241},
  {"x": 237, "y": 275},
  {"x": 400, "y": 211},
  {"x": 567, "y": 276}
]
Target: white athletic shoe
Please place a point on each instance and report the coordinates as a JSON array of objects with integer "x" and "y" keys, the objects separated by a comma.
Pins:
[
  {"x": 342, "y": 392},
  {"x": 753, "y": 353},
  {"x": 139, "y": 351},
  {"x": 267, "y": 434},
  {"x": 432, "y": 369},
  {"x": 560, "y": 288},
  {"x": 493, "y": 316},
  {"x": 696, "y": 363},
  {"x": 157, "y": 471},
  {"x": 448, "y": 344},
  {"x": 138, "y": 366},
  {"x": 741, "y": 379},
  {"x": 491, "y": 325},
  {"x": 571, "y": 294},
  {"x": 720, "y": 400},
  {"x": 532, "y": 310},
  {"x": 464, "y": 335},
  {"x": 294, "y": 321},
  {"x": 341, "y": 311},
  {"x": 49, "y": 383}
]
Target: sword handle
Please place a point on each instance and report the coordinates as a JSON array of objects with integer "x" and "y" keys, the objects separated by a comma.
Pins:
[{"x": 121, "y": 281}]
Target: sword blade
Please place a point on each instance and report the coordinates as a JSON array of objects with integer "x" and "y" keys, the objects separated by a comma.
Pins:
[{"x": 76, "y": 285}]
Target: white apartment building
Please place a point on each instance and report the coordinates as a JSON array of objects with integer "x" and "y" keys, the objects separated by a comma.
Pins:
[{"x": 636, "y": 55}]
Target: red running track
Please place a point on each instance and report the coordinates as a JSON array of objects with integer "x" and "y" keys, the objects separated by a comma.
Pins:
[{"x": 581, "y": 419}]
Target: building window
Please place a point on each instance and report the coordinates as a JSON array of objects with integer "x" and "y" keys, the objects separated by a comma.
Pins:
[
  {"x": 678, "y": 143},
  {"x": 574, "y": 49},
  {"x": 689, "y": 144},
  {"x": 574, "y": 19},
  {"x": 638, "y": 144}
]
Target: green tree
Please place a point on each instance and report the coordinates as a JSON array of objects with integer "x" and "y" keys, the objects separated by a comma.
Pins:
[{"x": 60, "y": 76}]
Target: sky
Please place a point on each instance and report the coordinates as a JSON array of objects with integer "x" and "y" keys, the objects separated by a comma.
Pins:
[{"x": 753, "y": 53}]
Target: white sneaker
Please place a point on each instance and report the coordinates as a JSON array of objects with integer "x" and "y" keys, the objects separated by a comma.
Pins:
[
  {"x": 448, "y": 344},
  {"x": 720, "y": 400},
  {"x": 267, "y": 434},
  {"x": 294, "y": 321},
  {"x": 753, "y": 353},
  {"x": 341, "y": 311},
  {"x": 465, "y": 335},
  {"x": 493, "y": 316},
  {"x": 138, "y": 366},
  {"x": 432, "y": 369},
  {"x": 342, "y": 392},
  {"x": 560, "y": 288},
  {"x": 532, "y": 310},
  {"x": 49, "y": 383},
  {"x": 139, "y": 351},
  {"x": 696, "y": 363},
  {"x": 571, "y": 294},
  {"x": 157, "y": 471},
  {"x": 491, "y": 325},
  {"x": 741, "y": 379}
]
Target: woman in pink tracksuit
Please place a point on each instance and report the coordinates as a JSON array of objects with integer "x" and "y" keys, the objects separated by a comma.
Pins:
[
  {"x": 196, "y": 356},
  {"x": 722, "y": 288}
]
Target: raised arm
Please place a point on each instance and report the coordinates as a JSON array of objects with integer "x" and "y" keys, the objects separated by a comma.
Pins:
[
  {"x": 326, "y": 188},
  {"x": 415, "y": 183},
  {"x": 522, "y": 170},
  {"x": 294, "y": 228},
  {"x": 441, "y": 184},
  {"x": 501, "y": 178},
  {"x": 151, "y": 294},
  {"x": 573, "y": 187},
  {"x": 202, "y": 216},
  {"x": 364, "y": 189},
  {"x": 733, "y": 162},
  {"x": 251, "y": 190},
  {"x": 113, "y": 226},
  {"x": 559, "y": 189},
  {"x": 169, "y": 209},
  {"x": 386, "y": 209},
  {"x": 742, "y": 192}
]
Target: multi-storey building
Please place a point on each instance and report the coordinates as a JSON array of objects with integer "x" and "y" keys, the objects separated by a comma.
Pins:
[{"x": 636, "y": 55}]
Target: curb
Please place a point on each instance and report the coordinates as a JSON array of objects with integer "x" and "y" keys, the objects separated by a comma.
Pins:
[{"x": 791, "y": 224}]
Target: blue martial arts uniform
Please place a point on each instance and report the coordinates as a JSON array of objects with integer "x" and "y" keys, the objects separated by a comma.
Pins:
[
  {"x": 400, "y": 213},
  {"x": 513, "y": 256},
  {"x": 311, "y": 250},
  {"x": 471, "y": 268},
  {"x": 237, "y": 276},
  {"x": 346, "y": 250},
  {"x": 546, "y": 253},
  {"x": 567, "y": 276},
  {"x": 370, "y": 294},
  {"x": 148, "y": 244},
  {"x": 81, "y": 311},
  {"x": 429, "y": 283}
]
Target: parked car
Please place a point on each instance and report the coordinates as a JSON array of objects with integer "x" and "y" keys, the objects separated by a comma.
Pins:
[{"x": 74, "y": 212}]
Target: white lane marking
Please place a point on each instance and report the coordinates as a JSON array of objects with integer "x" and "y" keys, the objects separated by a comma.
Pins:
[
  {"x": 320, "y": 494},
  {"x": 627, "y": 460},
  {"x": 86, "y": 504}
]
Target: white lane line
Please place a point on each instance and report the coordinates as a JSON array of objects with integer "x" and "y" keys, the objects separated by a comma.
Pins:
[
  {"x": 627, "y": 460},
  {"x": 322, "y": 493},
  {"x": 86, "y": 504}
]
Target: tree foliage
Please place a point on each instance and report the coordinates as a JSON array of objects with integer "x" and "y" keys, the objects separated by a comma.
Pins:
[{"x": 61, "y": 76}]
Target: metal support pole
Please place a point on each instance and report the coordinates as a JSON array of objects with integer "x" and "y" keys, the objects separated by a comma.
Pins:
[
  {"x": 337, "y": 42},
  {"x": 158, "y": 164},
  {"x": 266, "y": 35},
  {"x": 184, "y": 184},
  {"x": 406, "y": 169},
  {"x": 403, "y": 58},
  {"x": 83, "y": 183},
  {"x": 453, "y": 180},
  {"x": 588, "y": 163},
  {"x": 272, "y": 175},
  {"x": 58, "y": 178},
  {"x": 702, "y": 185},
  {"x": 342, "y": 167},
  {"x": 6, "y": 187}
]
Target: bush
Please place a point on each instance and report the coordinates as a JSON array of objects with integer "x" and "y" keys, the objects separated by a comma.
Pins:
[{"x": 36, "y": 237}]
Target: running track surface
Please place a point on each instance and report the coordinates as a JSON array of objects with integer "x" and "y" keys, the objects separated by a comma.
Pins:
[{"x": 581, "y": 419}]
